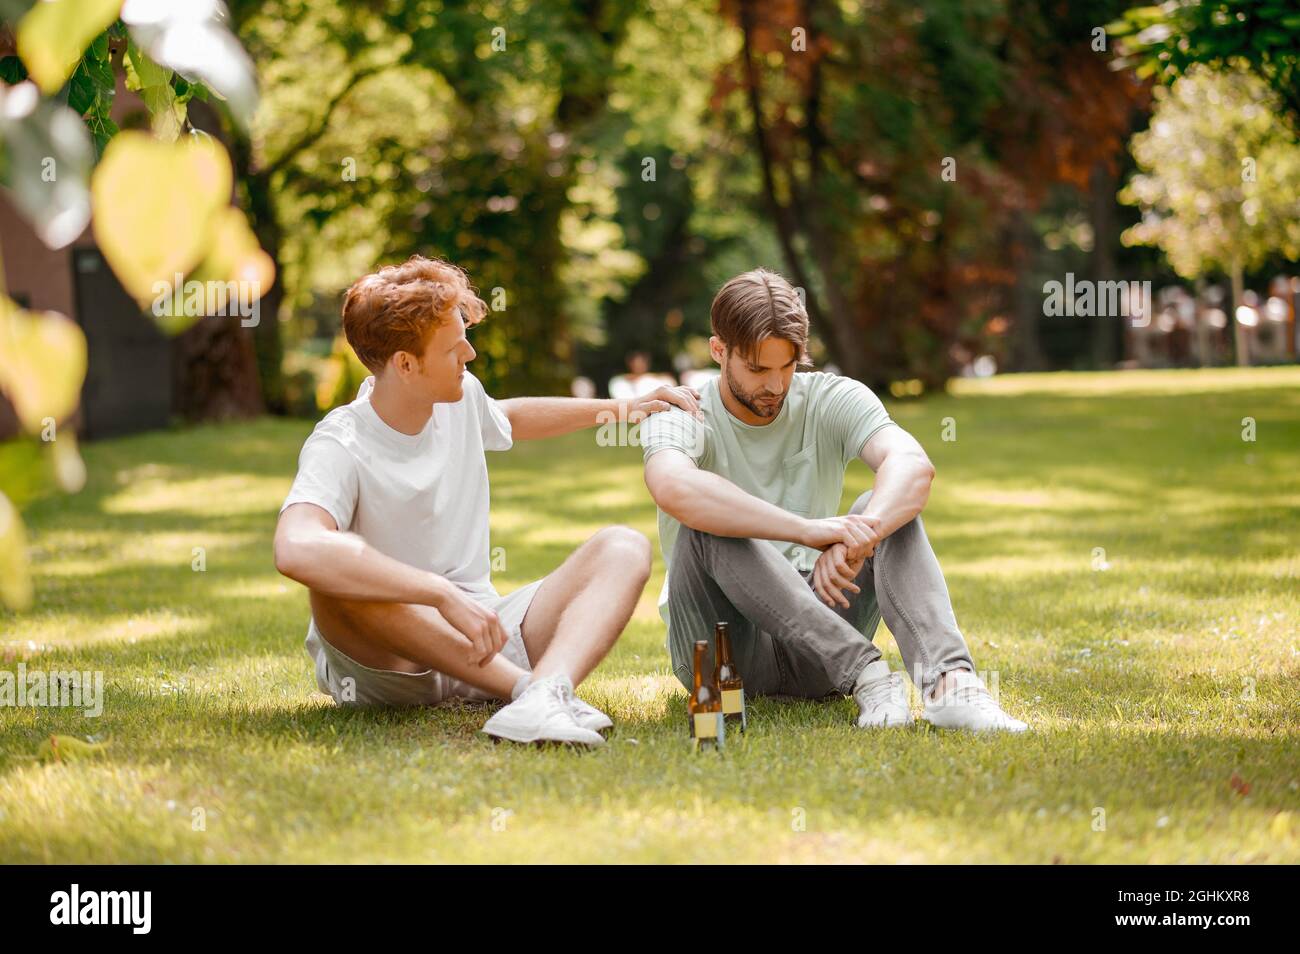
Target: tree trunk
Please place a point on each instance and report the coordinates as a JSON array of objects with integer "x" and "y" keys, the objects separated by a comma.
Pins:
[
  {"x": 1293, "y": 319},
  {"x": 1101, "y": 207},
  {"x": 1026, "y": 350},
  {"x": 1203, "y": 354},
  {"x": 834, "y": 324},
  {"x": 260, "y": 208},
  {"x": 266, "y": 335},
  {"x": 214, "y": 373},
  {"x": 1240, "y": 337}
]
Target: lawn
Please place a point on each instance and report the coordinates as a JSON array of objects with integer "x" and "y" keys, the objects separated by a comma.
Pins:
[{"x": 1119, "y": 557}]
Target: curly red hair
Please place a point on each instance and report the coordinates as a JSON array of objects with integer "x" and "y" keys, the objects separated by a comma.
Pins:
[{"x": 396, "y": 308}]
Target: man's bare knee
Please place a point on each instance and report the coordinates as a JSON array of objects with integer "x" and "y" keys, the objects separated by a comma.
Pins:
[{"x": 625, "y": 551}]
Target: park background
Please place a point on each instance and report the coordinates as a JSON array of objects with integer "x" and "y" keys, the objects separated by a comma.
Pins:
[{"x": 1116, "y": 507}]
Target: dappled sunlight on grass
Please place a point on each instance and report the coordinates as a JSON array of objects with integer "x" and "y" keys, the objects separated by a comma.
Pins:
[
  {"x": 568, "y": 536},
  {"x": 79, "y": 629},
  {"x": 268, "y": 587},
  {"x": 1153, "y": 672},
  {"x": 142, "y": 551},
  {"x": 999, "y": 566},
  {"x": 988, "y": 494},
  {"x": 1108, "y": 383},
  {"x": 632, "y": 698},
  {"x": 215, "y": 496}
]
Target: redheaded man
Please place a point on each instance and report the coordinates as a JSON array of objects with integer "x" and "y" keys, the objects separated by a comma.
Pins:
[{"x": 386, "y": 524}]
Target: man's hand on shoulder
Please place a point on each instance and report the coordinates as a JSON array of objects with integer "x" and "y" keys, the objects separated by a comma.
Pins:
[{"x": 661, "y": 399}]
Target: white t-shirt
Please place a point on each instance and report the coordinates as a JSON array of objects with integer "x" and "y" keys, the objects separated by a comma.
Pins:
[{"x": 419, "y": 498}]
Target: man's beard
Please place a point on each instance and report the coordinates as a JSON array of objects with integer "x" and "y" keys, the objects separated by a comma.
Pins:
[{"x": 750, "y": 401}]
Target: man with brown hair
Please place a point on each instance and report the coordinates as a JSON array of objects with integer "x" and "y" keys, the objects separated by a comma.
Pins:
[
  {"x": 748, "y": 497},
  {"x": 386, "y": 524}
]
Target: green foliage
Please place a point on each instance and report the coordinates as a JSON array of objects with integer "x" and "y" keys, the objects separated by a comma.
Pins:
[
  {"x": 1219, "y": 180},
  {"x": 12, "y": 70},
  {"x": 154, "y": 84},
  {"x": 491, "y": 158},
  {"x": 1262, "y": 35},
  {"x": 90, "y": 92},
  {"x": 902, "y": 151},
  {"x": 512, "y": 139}
]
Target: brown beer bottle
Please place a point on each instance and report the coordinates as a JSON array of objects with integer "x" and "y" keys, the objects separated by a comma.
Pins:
[
  {"x": 703, "y": 706},
  {"x": 731, "y": 690}
]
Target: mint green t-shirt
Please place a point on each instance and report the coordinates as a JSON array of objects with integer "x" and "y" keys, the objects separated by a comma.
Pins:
[{"x": 796, "y": 461}]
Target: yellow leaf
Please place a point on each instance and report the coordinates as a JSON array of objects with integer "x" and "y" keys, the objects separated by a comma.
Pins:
[
  {"x": 42, "y": 363},
  {"x": 231, "y": 280},
  {"x": 15, "y": 582},
  {"x": 154, "y": 205},
  {"x": 55, "y": 33},
  {"x": 234, "y": 256}
]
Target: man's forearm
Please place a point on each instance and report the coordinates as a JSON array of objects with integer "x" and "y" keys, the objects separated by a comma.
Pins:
[
  {"x": 532, "y": 418},
  {"x": 708, "y": 502},
  {"x": 900, "y": 492},
  {"x": 344, "y": 566}
]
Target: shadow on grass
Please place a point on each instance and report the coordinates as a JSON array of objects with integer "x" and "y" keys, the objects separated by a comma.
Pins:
[
  {"x": 1134, "y": 455},
  {"x": 1177, "y": 761}
]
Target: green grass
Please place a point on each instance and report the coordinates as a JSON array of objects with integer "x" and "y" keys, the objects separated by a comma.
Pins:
[{"x": 1149, "y": 684}]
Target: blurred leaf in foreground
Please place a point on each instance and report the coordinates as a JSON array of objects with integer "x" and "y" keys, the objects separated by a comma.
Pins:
[
  {"x": 192, "y": 37},
  {"x": 55, "y": 33},
  {"x": 42, "y": 363},
  {"x": 155, "y": 204},
  {"x": 47, "y": 159}
]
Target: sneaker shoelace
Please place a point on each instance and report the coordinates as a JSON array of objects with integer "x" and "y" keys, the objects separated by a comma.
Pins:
[
  {"x": 973, "y": 695},
  {"x": 560, "y": 693},
  {"x": 882, "y": 691}
]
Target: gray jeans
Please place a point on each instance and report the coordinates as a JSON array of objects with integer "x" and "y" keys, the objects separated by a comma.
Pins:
[{"x": 785, "y": 640}]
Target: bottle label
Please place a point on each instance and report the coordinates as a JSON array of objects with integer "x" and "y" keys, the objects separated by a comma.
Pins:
[
  {"x": 708, "y": 725},
  {"x": 733, "y": 701}
]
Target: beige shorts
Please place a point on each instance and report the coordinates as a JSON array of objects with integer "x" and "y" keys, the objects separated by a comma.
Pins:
[{"x": 348, "y": 682}]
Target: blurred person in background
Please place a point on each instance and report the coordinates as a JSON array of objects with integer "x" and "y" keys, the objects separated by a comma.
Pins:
[{"x": 639, "y": 380}]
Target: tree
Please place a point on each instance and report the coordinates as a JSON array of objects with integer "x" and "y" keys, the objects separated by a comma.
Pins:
[
  {"x": 459, "y": 129},
  {"x": 499, "y": 188},
  {"x": 1219, "y": 180},
  {"x": 1260, "y": 36},
  {"x": 318, "y": 55},
  {"x": 899, "y": 158}
]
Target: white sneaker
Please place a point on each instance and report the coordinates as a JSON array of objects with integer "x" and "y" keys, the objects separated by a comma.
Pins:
[
  {"x": 542, "y": 713},
  {"x": 967, "y": 705},
  {"x": 881, "y": 697},
  {"x": 589, "y": 717}
]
